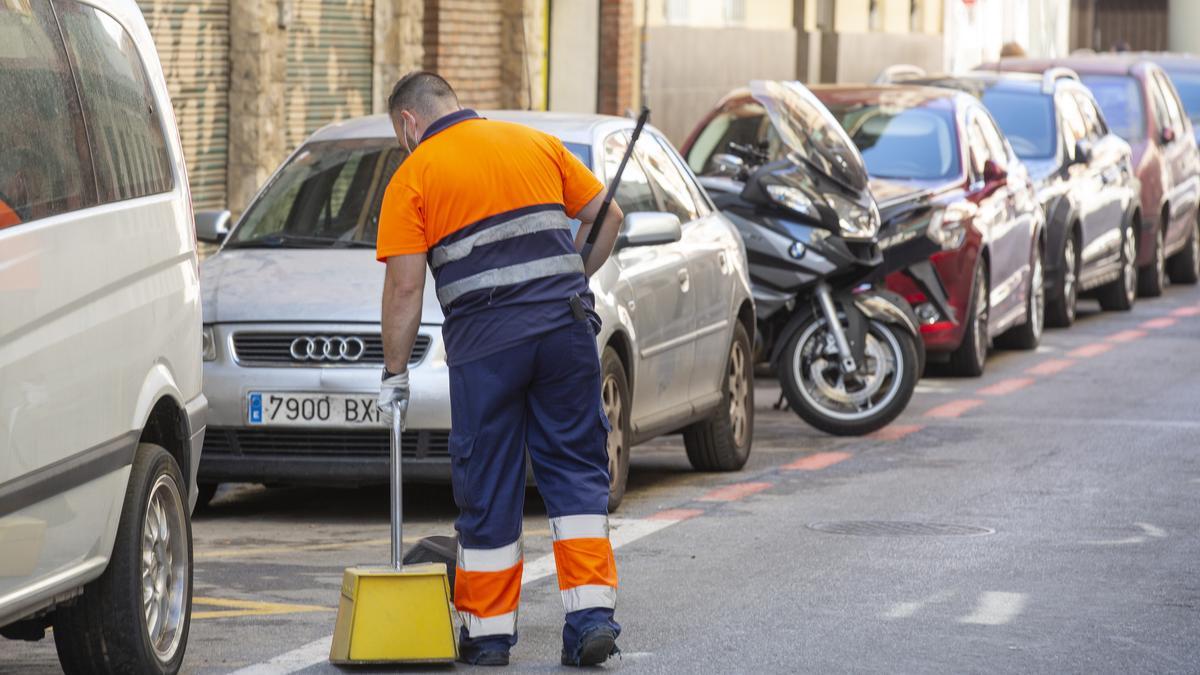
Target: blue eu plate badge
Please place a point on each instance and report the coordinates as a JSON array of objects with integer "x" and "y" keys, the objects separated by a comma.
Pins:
[{"x": 256, "y": 409}]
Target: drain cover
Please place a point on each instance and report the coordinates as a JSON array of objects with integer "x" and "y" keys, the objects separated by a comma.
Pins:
[{"x": 897, "y": 528}]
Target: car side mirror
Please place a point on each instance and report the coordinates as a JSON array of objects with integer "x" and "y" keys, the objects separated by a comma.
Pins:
[
  {"x": 212, "y": 226},
  {"x": 1168, "y": 136},
  {"x": 649, "y": 228},
  {"x": 994, "y": 173},
  {"x": 727, "y": 166},
  {"x": 1083, "y": 152}
]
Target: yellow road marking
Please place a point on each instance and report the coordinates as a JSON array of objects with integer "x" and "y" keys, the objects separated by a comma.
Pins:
[
  {"x": 254, "y": 551},
  {"x": 249, "y": 608}
]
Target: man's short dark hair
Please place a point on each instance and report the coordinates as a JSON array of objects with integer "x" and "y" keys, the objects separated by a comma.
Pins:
[{"x": 423, "y": 92}]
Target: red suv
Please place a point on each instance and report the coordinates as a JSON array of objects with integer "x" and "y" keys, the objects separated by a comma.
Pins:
[
  {"x": 1142, "y": 106},
  {"x": 959, "y": 211}
]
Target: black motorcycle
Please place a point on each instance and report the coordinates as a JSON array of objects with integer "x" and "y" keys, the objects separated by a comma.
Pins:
[{"x": 847, "y": 353}]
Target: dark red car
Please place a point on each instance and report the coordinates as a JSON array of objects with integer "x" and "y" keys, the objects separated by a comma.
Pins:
[
  {"x": 957, "y": 207},
  {"x": 1142, "y": 106}
]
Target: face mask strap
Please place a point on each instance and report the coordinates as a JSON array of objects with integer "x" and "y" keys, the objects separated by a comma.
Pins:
[{"x": 404, "y": 131}]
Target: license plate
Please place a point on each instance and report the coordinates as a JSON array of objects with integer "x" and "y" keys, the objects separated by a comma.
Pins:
[{"x": 267, "y": 408}]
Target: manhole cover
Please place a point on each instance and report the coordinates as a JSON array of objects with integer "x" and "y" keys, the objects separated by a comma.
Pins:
[{"x": 896, "y": 528}]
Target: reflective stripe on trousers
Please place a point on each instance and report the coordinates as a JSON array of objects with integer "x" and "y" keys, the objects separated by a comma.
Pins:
[
  {"x": 583, "y": 556},
  {"x": 487, "y": 588}
]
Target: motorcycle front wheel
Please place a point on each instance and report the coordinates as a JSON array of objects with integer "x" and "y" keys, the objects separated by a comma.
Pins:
[{"x": 855, "y": 404}]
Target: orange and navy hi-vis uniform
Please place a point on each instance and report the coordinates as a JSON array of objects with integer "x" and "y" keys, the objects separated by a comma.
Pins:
[{"x": 490, "y": 205}]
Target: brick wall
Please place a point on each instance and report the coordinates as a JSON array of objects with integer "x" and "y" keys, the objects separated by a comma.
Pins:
[
  {"x": 617, "y": 67},
  {"x": 463, "y": 43}
]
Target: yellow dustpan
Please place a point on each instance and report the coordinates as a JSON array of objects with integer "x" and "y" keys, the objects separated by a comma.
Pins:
[{"x": 395, "y": 614}]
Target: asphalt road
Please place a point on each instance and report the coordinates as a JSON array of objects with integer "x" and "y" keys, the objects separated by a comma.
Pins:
[{"x": 1042, "y": 518}]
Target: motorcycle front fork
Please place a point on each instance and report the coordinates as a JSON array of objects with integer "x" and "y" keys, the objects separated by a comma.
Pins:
[{"x": 845, "y": 354}]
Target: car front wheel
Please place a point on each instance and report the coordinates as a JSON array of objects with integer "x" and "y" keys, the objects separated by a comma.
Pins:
[
  {"x": 970, "y": 357},
  {"x": 1153, "y": 279},
  {"x": 135, "y": 617},
  {"x": 1060, "y": 312},
  {"x": 1184, "y": 267}
]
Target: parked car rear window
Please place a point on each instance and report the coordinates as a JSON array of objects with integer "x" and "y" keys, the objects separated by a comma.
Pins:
[
  {"x": 44, "y": 165},
  {"x": 745, "y": 125},
  {"x": 1026, "y": 119},
  {"x": 1187, "y": 83},
  {"x": 128, "y": 147},
  {"x": 906, "y": 143},
  {"x": 1120, "y": 97}
]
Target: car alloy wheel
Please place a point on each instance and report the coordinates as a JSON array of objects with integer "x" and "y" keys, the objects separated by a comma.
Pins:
[
  {"x": 614, "y": 408},
  {"x": 739, "y": 393},
  {"x": 979, "y": 325},
  {"x": 1070, "y": 289},
  {"x": 1037, "y": 301},
  {"x": 1129, "y": 266},
  {"x": 164, "y": 567}
]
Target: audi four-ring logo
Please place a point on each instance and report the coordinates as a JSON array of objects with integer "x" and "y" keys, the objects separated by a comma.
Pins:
[{"x": 321, "y": 348}]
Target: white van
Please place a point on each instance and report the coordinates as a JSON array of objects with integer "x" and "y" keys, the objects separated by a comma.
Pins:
[{"x": 101, "y": 412}]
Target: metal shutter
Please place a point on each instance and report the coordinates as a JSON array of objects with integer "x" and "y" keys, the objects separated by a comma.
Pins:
[
  {"x": 192, "y": 37},
  {"x": 329, "y": 64}
]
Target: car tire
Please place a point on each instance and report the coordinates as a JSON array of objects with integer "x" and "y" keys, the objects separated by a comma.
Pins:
[
  {"x": 1026, "y": 336},
  {"x": 722, "y": 442},
  {"x": 1184, "y": 267},
  {"x": 1060, "y": 312},
  {"x": 1152, "y": 280},
  {"x": 969, "y": 359},
  {"x": 113, "y": 627},
  {"x": 615, "y": 399},
  {"x": 1120, "y": 294}
]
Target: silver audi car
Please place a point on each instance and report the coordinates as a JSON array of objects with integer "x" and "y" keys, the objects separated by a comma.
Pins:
[{"x": 292, "y": 351}]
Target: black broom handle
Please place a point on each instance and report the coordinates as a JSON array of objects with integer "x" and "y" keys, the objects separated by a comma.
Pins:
[{"x": 612, "y": 187}]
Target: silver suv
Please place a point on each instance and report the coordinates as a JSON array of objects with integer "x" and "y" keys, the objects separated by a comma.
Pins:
[{"x": 291, "y": 313}]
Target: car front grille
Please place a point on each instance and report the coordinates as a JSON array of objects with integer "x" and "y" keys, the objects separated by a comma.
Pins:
[
  {"x": 275, "y": 349},
  {"x": 324, "y": 443}
]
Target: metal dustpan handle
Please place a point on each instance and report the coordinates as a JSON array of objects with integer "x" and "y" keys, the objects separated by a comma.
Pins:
[{"x": 397, "y": 488}]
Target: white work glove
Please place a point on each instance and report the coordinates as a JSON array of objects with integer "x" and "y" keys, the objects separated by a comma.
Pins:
[{"x": 393, "y": 390}]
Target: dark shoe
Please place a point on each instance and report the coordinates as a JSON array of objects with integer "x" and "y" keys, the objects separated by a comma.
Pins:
[
  {"x": 486, "y": 659},
  {"x": 596, "y": 645}
]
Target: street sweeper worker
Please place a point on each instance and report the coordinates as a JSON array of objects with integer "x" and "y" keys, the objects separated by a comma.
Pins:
[{"x": 487, "y": 206}]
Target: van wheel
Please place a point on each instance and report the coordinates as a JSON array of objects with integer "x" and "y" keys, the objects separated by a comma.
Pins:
[
  {"x": 614, "y": 397},
  {"x": 135, "y": 617},
  {"x": 1184, "y": 267},
  {"x": 722, "y": 442},
  {"x": 968, "y": 360}
]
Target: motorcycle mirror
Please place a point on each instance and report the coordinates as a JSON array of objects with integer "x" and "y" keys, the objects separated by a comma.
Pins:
[{"x": 727, "y": 166}]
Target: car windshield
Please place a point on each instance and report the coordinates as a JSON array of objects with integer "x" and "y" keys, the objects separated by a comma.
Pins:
[
  {"x": 1187, "y": 83},
  {"x": 1120, "y": 98},
  {"x": 909, "y": 143},
  {"x": 1027, "y": 119},
  {"x": 328, "y": 196}
]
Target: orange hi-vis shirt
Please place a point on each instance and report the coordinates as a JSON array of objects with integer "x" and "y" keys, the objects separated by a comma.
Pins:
[{"x": 491, "y": 204}]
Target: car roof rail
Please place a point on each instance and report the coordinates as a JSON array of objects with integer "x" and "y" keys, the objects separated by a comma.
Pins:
[
  {"x": 1055, "y": 74},
  {"x": 898, "y": 73}
]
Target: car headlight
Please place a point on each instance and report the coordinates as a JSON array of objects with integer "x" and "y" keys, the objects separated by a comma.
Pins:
[
  {"x": 948, "y": 227},
  {"x": 208, "y": 342},
  {"x": 792, "y": 198}
]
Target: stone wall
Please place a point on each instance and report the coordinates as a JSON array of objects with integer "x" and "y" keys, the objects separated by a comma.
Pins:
[
  {"x": 257, "y": 55},
  {"x": 617, "y": 67}
]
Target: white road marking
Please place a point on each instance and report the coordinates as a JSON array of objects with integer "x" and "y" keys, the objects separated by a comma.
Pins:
[
  {"x": 905, "y": 610},
  {"x": 300, "y": 658},
  {"x": 934, "y": 387},
  {"x": 995, "y": 608},
  {"x": 1045, "y": 349},
  {"x": 623, "y": 531},
  {"x": 1147, "y": 529}
]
